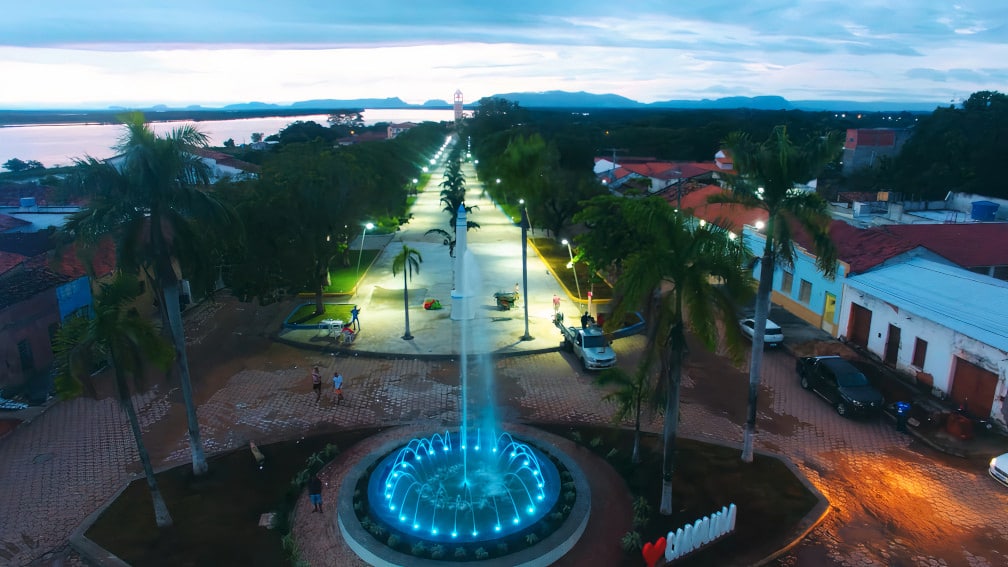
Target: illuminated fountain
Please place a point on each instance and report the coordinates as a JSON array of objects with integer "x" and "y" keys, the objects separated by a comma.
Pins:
[{"x": 475, "y": 491}]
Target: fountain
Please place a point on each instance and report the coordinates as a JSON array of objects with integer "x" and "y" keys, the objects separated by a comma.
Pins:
[{"x": 478, "y": 491}]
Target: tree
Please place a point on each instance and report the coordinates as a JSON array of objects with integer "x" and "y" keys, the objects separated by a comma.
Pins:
[
  {"x": 256, "y": 137},
  {"x": 631, "y": 393},
  {"x": 767, "y": 174},
  {"x": 682, "y": 273},
  {"x": 453, "y": 194},
  {"x": 407, "y": 261},
  {"x": 15, "y": 165},
  {"x": 119, "y": 335},
  {"x": 152, "y": 199}
]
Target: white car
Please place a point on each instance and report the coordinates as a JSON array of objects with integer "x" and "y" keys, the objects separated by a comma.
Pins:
[
  {"x": 773, "y": 336},
  {"x": 999, "y": 469}
]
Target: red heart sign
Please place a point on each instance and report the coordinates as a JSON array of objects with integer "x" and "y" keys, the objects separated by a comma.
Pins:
[{"x": 652, "y": 553}]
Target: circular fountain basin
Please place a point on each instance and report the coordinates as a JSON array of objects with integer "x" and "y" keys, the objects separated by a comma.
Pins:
[
  {"x": 444, "y": 488},
  {"x": 441, "y": 491}
]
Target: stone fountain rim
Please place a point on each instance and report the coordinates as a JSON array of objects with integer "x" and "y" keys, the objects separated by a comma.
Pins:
[{"x": 544, "y": 553}]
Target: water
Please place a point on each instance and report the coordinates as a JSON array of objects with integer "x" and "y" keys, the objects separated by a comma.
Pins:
[
  {"x": 58, "y": 144},
  {"x": 478, "y": 483}
]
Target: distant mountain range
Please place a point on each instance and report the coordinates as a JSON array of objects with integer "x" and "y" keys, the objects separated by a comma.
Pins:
[{"x": 584, "y": 100}]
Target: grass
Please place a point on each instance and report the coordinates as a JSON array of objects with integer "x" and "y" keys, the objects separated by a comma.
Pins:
[
  {"x": 216, "y": 517},
  {"x": 557, "y": 257},
  {"x": 305, "y": 315}
]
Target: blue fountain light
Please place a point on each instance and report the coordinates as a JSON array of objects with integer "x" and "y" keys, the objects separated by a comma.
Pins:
[{"x": 455, "y": 494}]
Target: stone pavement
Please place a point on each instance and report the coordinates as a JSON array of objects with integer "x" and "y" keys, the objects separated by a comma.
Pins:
[{"x": 894, "y": 501}]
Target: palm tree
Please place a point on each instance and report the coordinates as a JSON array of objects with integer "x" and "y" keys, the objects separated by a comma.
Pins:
[
  {"x": 767, "y": 174},
  {"x": 127, "y": 340},
  {"x": 150, "y": 198},
  {"x": 408, "y": 261},
  {"x": 684, "y": 273},
  {"x": 630, "y": 394}
]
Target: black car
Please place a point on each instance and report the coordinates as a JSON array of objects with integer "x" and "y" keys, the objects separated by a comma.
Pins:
[{"x": 839, "y": 383}]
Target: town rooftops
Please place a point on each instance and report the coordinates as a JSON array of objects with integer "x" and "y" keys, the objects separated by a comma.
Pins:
[
  {"x": 23, "y": 285},
  {"x": 971, "y": 304},
  {"x": 8, "y": 222},
  {"x": 873, "y": 137},
  {"x": 965, "y": 244}
]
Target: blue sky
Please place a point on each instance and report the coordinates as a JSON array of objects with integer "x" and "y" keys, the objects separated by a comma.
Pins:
[{"x": 72, "y": 53}]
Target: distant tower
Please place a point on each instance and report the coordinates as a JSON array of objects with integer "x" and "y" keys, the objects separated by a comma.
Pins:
[{"x": 458, "y": 105}]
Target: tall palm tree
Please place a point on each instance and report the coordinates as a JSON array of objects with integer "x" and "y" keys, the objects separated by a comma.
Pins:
[
  {"x": 686, "y": 274},
  {"x": 128, "y": 341},
  {"x": 407, "y": 261},
  {"x": 766, "y": 176},
  {"x": 150, "y": 198}
]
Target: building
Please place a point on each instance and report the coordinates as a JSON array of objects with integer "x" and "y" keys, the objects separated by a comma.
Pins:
[
  {"x": 864, "y": 147},
  {"x": 943, "y": 324},
  {"x": 394, "y": 130}
]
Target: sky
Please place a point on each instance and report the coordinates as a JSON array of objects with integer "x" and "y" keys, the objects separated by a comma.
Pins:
[{"x": 73, "y": 53}]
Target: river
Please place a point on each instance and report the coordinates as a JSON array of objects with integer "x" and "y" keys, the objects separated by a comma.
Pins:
[{"x": 58, "y": 144}]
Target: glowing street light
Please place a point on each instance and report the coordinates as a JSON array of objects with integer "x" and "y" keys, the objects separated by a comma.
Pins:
[
  {"x": 367, "y": 227},
  {"x": 570, "y": 265}
]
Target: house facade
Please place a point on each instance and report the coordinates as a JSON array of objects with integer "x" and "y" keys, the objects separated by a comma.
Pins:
[{"x": 943, "y": 324}]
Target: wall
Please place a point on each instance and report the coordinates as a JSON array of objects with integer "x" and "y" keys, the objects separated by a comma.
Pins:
[
  {"x": 944, "y": 344},
  {"x": 27, "y": 320}
]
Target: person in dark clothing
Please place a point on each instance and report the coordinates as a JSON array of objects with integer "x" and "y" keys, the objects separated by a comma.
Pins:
[
  {"x": 316, "y": 383},
  {"x": 354, "y": 321},
  {"x": 315, "y": 493},
  {"x": 585, "y": 319}
]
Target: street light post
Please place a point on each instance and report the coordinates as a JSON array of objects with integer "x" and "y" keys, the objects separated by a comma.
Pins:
[
  {"x": 367, "y": 227},
  {"x": 525, "y": 224},
  {"x": 566, "y": 243}
]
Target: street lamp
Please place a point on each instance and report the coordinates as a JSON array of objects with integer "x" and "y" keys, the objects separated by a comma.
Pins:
[
  {"x": 524, "y": 235},
  {"x": 566, "y": 243},
  {"x": 367, "y": 227}
]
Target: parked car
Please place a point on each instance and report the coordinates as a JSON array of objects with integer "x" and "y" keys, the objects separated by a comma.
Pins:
[
  {"x": 590, "y": 346},
  {"x": 773, "y": 336},
  {"x": 999, "y": 469},
  {"x": 839, "y": 383}
]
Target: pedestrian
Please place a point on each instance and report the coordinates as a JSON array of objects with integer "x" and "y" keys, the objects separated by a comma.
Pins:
[
  {"x": 556, "y": 305},
  {"x": 585, "y": 319},
  {"x": 315, "y": 493},
  {"x": 337, "y": 383},
  {"x": 316, "y": 383},
  {"x": 354, "y": 321}
]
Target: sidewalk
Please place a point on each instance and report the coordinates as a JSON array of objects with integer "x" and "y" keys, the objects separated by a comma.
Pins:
[{"x": 497, "y": 248}]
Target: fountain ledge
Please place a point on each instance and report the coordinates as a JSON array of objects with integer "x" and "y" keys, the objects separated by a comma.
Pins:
[{"x": 546, "y": 552}]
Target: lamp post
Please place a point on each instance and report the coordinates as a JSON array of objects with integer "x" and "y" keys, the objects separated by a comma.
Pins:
[
  {"x": 524, "y": 236},
  {"x": 367, "y": 227},
  {"x": 566, "y": 243}
]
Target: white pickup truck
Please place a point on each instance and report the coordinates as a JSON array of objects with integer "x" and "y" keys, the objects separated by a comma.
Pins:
[{"x": 590, "y": 346}]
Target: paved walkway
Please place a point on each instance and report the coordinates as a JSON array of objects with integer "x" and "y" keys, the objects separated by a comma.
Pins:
[{"x": 896, "y": 502}]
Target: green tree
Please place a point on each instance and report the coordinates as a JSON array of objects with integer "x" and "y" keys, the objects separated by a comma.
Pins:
[
  {"x": 683, "y": 273},
  {"x": 453, "y": 194},
  {"x": 153, "y": 200},
  {"x": 16, "y": 165},
  {"x": 631, "y": 392},
  {"x": 119, "y": 335},
  {"x": 767, "y": 173},
  {"x": 407, "y": 261}
]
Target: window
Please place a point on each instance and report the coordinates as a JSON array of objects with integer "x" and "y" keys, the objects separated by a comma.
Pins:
[
  {"x": 805, "y": 291},
  {"x": 920, "y": 353},
  {"x": 786, "y": 282}
]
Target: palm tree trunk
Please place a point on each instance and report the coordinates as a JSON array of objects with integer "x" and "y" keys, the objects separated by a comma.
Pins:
[
  {"x": 635, "y": 456},
  {"x": 756, "y": 358},
  {"x": 162, "y": 517},
  {"x": 170, "y": 289},
  {"x": 672, "y": 368},
  {"x": 406, "y": 336}
]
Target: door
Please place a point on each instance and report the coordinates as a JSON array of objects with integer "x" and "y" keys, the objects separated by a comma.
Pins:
[
  {"x": 829, "y": 314},
  {"x": 892, "y": 346},
  {"x": 973, "y": 387},
  {"x": 859, "y": 325}
]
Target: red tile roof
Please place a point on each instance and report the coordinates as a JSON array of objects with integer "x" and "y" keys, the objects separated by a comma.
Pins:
[
  {"x": 863, "y": 249},
  {"x": 731, "y": 217},
  {"x": 8, "y": 222},
  {"x": 873, "y": 137},
  {"x": 9, "y": 261},
  {"x": 966, "y": 244}
]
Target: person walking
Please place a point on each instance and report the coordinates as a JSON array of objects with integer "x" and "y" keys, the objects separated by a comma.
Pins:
[
  {"x": 316, "y": 383},
  {"x": 315, "y": 493},
  {"x": 556, "y": 305},
  {"x": 354, "y": 321},
  {"x": 337, "y": 382}
]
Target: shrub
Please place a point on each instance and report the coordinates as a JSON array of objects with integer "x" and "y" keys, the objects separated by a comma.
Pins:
[
  {"x": 641, "y": 512},
  {"x": 531, "y": 539},
  {"x": 596, "y": 442},
  {"x": 393, "y": 541},
  {"x": 502, "y": 548},
  {"x": 482, "y": 553},
  {"x": 419, "y": 549},
  {"x": 437, "y": 551},
  {"x": 631, "y": 542},
  {"x": 460, "y": 552}
]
